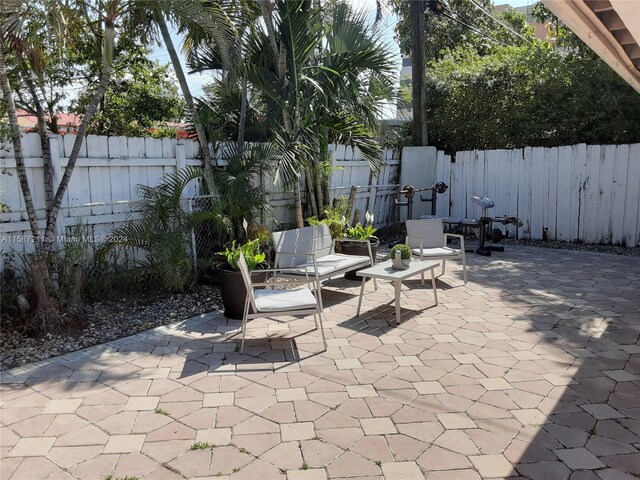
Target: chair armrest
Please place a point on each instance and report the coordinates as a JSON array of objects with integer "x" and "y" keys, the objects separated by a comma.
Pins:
[
  {"x": 268, "y": 270},
  {"x": 288, "y": 282},
  {"x": 297, "y": 254},
  {"x": 406, "y": 241},
  {"x": 461, "y": 237}
]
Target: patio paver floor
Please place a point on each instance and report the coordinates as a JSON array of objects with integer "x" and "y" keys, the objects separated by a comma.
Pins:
[{"x": 532, "y": 370}]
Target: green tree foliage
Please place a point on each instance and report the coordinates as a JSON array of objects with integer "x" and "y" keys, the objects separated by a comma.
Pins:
[
  {"x": 444, "y": 33},
  {"x": 325, "y": 81},
  {"x": 142, "y": 95},
  {"x": 538, "y": 93},
  {"x": 532, "y": 95}
]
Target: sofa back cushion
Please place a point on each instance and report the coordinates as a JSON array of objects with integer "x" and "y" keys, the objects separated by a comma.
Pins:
[{"x": 315, "y": 239}]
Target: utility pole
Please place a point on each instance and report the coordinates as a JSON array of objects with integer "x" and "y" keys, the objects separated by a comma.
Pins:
[{"x": 418, "y": 72}]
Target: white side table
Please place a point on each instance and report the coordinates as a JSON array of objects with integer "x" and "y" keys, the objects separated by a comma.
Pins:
[{"x": 384, "y": 271}]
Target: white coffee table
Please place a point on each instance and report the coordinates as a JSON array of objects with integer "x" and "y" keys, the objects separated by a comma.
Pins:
[{"x": 384, "y": 271}]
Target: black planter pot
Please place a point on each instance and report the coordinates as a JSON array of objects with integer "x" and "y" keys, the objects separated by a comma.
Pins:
[
  {"x": 358, "y": 248},
  {"x": 233, "y": 291}
]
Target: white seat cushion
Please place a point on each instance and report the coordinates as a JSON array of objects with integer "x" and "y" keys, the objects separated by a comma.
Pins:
[
  {"x": 284, "y": 300},
  {"x": 437, "y": 252},
  {"x": 329, "y": 264}
]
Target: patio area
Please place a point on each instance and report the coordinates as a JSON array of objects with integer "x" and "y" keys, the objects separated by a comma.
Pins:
[{"x": 531, "y": 370}]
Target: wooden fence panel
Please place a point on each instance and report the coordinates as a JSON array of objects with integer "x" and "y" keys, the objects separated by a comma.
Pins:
[
  {"x": 552, "y": 203},
  {"x": 588, "y": 228},
  {"x": 620, "y": 167},
  {"x": 631, "y": 228},
  {"x": 570, "y": 193}
]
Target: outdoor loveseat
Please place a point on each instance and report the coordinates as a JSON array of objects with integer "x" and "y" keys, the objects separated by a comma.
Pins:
[{"x": 310, "y": 252}]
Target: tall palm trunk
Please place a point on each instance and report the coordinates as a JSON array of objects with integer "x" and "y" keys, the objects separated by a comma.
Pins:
[
  {"x": 186, "y": 93},
  {"x": 280, "y": 56},
  {"x": 38, "y": 266},
  {"x": 243, "y": 114},
  {"x": 44, "y": 141},
  {"x": 18, "y": 154},
  {"x": 52, "y": 213}
]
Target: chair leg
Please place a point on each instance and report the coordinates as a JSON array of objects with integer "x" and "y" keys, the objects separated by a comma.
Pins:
[
  {"x": 319, "y": 293},
  {"x": 422, "y": 279},
  {"x": 444, "y": 262},
  {"x": 464, "y": 268},
  {"x": 315, "y": 319},
  {"x": 433, "y": 286},
  {"x": 244, "y": 323},
  {"x": 324, "y": 340}
]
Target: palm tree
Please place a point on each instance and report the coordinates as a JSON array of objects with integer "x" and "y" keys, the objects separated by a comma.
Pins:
[
  {"x": 109, "y": 10},
  {"x": 204, "y": 20},
  {"x": 317, "y": 76}
]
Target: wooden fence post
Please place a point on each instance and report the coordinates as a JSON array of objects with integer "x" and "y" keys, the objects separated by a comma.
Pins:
[{"x": 181, "y": 160}]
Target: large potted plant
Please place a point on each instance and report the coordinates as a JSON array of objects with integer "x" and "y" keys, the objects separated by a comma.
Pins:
[
  {"x": 232, "y": 288},
  {"x": 360, "y": 232}
]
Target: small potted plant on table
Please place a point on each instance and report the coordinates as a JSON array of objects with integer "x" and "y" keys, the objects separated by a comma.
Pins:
[
  {"x": 232, "y": 288},
  {"x": 400, "y": 257},
  {"x": 357, "y": 242}
]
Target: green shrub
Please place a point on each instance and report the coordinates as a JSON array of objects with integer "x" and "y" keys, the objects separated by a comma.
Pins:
[
  {"x": 335, "y": 217},
  {"x": 362, "y": 232},
  {"x": 405, "y": 251},
  {"x": 251, "y": 252}
]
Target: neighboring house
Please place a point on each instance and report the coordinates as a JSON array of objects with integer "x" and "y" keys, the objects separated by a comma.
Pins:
[{"x": 67, "y": 123}]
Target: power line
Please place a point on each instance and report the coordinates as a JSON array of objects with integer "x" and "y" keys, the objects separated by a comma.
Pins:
[
  {"x": 507, "y": 27},
  {"x": 464, "y": 22}
]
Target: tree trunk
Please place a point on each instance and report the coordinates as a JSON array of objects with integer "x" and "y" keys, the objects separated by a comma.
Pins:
[
  {"x": 318, "y": 187},
  {"x": 280, "y": 57},
  {"x": 311, "y": 198},
  {"x": 265, "y": 6},
  {"x": 44, "y": 142},
  {"x": 297, "y": 199},
  {"x": 418, "y": 72},
  {"x": 52, "y": 213},
  {"x": 186, "y": 93},
  {"x": 243, "y": 116},
  {"x": 17, "y": 148},
  {"x": 75, "y": 297},
  {"x": 38, "y": 265}
]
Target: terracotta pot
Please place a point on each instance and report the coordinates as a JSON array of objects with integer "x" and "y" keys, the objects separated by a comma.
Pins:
[
  {"x": 358, "y": 248},
  {"x": 233, "y": 291}
]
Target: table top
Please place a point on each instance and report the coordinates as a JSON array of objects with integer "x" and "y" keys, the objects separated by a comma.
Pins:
[{"x": 384, "y": 270}]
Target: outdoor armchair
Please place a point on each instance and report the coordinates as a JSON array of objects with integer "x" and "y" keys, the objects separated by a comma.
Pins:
[
  {"x": 301, "y": 300},
  {"x": 426, "y": 239}
]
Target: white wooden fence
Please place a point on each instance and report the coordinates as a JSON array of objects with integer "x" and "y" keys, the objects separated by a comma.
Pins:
[
  {"x": 102, "y": 191},
  {"x": 375, "y": 193},
  {"x": 585, "y": 193},
  {"x": 573, "y": 193}
]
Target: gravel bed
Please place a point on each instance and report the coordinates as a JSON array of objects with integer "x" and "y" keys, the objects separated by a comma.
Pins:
[
  {"x": 613, "y": 249},
  {"x": 109, "y": 321}
]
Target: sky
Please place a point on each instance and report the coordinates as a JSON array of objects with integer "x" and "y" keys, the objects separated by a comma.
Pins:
[{"x": 197, "y": 81}]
